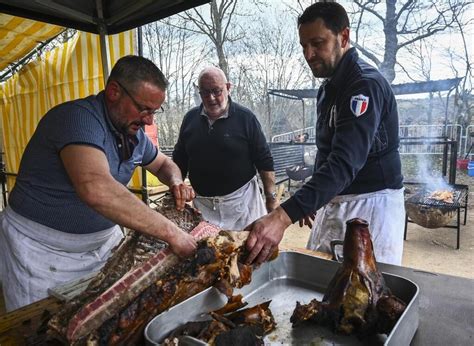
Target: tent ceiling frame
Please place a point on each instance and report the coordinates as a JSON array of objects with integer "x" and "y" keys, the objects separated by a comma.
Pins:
[{"x": 69, "y": 12}]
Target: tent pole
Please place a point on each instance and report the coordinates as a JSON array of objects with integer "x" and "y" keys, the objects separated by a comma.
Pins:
[
  {"x": 103, "y": 40},
  {"x": 144, "y": 179},
  {"x": 304, "y": 116},
  {"x": 103, "y": 54}
]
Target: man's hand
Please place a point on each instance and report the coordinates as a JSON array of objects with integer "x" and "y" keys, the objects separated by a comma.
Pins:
[
  {"x": 182, "y": 193},
  {"x": 182, "y": 244},
  {"x": 307, "y": 220},
  {"x": 265, "y": 235}
]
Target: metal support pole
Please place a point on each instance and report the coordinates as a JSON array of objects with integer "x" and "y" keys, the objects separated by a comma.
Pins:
[
  {"x": 445, "y": 160},
  {"x": 144, "y": 178},
  {"x": 103, "y": 40},
  {"x": 304, "y": 115},
  {"x": 452, "y": 164}
]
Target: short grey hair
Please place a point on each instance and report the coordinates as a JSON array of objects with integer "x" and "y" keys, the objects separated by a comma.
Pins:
[
  {"x": 132, "y": 70},
  {"x": 212, "y": 70}
]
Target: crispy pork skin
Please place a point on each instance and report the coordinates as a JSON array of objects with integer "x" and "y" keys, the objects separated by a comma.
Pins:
[
  {"x": 357, "y": 301},
  {"x": 143, "y": 278}
]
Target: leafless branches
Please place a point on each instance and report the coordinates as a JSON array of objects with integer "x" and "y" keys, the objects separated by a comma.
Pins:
[{"x": 403, "y": 25}]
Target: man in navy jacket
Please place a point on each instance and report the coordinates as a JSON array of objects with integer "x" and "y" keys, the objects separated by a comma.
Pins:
[{"x": 357, "y": 170}]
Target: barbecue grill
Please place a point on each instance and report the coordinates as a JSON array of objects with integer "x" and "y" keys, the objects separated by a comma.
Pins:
[
  {"x": 432, "y": 213},
  {"x": 299, "y": 173}
]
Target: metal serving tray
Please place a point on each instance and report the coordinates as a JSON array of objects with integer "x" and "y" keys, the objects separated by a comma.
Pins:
[{"x": 290, "y": 278}]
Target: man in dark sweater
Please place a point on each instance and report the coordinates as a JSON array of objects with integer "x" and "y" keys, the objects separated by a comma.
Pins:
[
  {"x": 221, "y": 146},
  {"x": 357, "y": 170}
]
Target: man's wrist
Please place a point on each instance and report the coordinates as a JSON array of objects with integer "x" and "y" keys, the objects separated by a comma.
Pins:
[
  {"x": 283, "y": 216},
  {"x": 271, "y": 195}
]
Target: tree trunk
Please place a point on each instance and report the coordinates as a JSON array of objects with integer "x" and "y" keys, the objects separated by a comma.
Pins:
[
  {"x": 387, "y": 67},
  {"x": 219, "y": 39}
]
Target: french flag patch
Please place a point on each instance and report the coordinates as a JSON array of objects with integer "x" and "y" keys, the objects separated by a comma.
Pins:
[{"x": 359, "y": 104}]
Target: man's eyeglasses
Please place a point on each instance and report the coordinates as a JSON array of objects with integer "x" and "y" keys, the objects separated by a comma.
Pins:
[
  {"x": 141, "y": 109},
  {"x": 206, "y": 92}
]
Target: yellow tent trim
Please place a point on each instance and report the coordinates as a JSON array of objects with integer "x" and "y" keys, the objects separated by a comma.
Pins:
[
  {"x": 19, "y": 36},
  {"x": 65, "y": 73}
]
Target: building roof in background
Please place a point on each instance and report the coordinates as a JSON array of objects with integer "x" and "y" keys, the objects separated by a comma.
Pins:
[{"x": 398, "y": 89}]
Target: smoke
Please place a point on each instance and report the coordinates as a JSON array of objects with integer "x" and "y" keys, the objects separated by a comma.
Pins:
[{"x": 426, "y": 173}]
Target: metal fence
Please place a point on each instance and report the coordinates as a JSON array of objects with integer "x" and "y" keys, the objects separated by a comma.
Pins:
[
  {"x": 463, "y": 136},
  {"x": 287, "y": 137},
  {"x": 468, "y": 138},
  {"x": 424, "y": 134}
]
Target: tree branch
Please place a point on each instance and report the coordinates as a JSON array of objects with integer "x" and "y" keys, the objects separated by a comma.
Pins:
[
  {"x": 375, "y": 13},
  {"x": 368, "y": 54},
  {"x": 419, "y": 37},
  {"x": 406, "y": 6}
]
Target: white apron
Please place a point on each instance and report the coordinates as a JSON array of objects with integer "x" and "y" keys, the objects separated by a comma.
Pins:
[
  {"x": 384, "y": 211},
  {"x": 233, "y": 211},
  {"x": 35, "y": 257}
]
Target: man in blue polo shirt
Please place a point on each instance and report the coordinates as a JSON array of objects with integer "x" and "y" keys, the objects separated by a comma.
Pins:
[
  {"x": 70, "y": 194},
  {"x": 357, "y": 171}
]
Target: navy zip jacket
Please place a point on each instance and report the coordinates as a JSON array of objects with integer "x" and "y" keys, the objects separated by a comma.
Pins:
[
  {"x": 223, "y": 157},
  {"x": 356, "y": 136}
]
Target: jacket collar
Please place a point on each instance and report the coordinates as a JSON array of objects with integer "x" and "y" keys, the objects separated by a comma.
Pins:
[
  {"x": 227, "y": 114},
  {"x": 345, "y": 65}
]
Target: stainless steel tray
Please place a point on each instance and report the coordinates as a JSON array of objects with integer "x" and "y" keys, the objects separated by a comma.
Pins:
[{"x": 290, "y": 278}]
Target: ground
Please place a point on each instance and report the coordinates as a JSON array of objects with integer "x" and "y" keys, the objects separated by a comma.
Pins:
[{"x": 431, "y": 250}]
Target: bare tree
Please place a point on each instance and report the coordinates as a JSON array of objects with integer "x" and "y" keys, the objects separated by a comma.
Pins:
[
  {"x": 216, "y": 26},
  {"x": 402, "y": 25},
  {"x": 464, "y": 98},
  {"x": 178, "y": 54},
  {"x": 273, "y": 60},
  {"x": 420, "y": 68}
]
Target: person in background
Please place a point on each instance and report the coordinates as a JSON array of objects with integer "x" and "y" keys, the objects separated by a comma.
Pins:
[
  {"x": 302, "y": 138},
  {"x": 357, "y": 169},
  {"x": 221, "y": 146},
  {"x": 70, "y": 194}
]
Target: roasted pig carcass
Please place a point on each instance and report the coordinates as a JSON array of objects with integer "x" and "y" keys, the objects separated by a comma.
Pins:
[
  {"x": 357, "y": 301},
  {"x": 243, "y": 327},
  {"x": 140, "y": 281}
]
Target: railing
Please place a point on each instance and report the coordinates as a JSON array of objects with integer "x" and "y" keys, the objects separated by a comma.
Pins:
[
  {"x": 463, "y": 136},
  {"x": 468, "y": 149},
  {"x": 287, "y": 137},
  {"x": 419, "y": 132}
]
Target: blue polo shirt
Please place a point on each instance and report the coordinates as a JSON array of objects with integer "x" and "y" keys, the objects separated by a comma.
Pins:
[{"x": 43, "y": 191}]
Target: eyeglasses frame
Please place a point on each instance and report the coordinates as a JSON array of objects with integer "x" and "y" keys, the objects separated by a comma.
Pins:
[
  {"x": 141, "y": 109},
  {"x": 214, "y": 92}
]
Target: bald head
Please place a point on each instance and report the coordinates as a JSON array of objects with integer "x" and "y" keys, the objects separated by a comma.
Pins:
[
  {"x": 212, "y": 72},
  {"x": 214, "y": 90}
]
